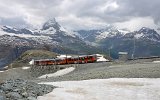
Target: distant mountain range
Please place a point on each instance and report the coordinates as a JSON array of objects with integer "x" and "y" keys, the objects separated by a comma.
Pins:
[
  {"x": 141, "y": 43},
  {"x": 52, "y": 36}
]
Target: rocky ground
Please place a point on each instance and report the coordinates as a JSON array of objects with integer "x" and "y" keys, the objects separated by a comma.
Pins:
[
  {"x": 108, "y": 70},
  {"x": 103, "y": 70},
  {"x": 22, "y": 90}
]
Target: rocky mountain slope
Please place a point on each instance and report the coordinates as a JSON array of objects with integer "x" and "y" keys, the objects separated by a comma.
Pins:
[
  {"x": 52, "y": 37},
  {"x": 144, "y": 42},
  {"x": 27, "y": 56}
]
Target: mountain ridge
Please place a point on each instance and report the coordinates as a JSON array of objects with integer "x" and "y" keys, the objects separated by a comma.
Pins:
[{"x": 147, "y": 41}]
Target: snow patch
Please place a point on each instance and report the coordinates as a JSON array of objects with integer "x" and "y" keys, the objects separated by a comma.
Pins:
[
  {"x": 19, "y": 35},
  {"x": 123, "y": 31},
  {"x": 25, "y": 68},
  {"x": 137, "y": 36},
  {"x": 51, "y": 30},
  {"x": 64, "y": 56},
  {"x": 102, "y": 35},
  {"x": 156, "y": 61},
  {"x": 100, "y": 58},
  {"x": 68, "y": 32},
  {"x": 31, "y": 62},
  {"x": 59, "y": 73},
  {"x": 105, "y": 89},
  {"x": 63, "y": 29}
]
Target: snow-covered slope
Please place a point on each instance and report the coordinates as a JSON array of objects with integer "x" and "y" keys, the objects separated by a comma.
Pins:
[
  {"x": 50, "y": 33},
  {"x": 112, "y": 32},
  {"x": 147, "y": 41},
  {"x": 100, "y": 34},
  {"x": 145, "y": 34},
  {"x": 108, "y": 32},
  {"x": 17, "y": 37}
]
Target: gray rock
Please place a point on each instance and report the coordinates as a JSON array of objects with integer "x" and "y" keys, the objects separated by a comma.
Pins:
[
  {"x": 7, "y": 87},
  {"x": 13, "y": 95},
  {"x": 17, "y": 90},
  {"x": 31, "y": 98},
  {"x": 2, "y": 96},
  {"x": 23, "y": 90},
  {"x": 25, "y": 94}
]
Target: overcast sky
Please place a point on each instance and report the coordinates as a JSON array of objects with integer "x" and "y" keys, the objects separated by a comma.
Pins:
[{"x": 82, "y": 14}]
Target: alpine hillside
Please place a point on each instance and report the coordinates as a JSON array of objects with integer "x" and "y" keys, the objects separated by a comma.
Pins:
[
  {"x": 142, "y": 43},
  {"x": 52, "y": 36}
]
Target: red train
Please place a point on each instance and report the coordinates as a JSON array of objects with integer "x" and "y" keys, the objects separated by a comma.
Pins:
[{"x": 71, "y": 60}]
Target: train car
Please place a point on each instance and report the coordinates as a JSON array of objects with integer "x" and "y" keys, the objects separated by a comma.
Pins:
[
  {"x": 81, "y": 59},
  {"x": 59, "y": 61},
  {"x": 87, "y": 59},
  {"x": 44, "y": 62}
]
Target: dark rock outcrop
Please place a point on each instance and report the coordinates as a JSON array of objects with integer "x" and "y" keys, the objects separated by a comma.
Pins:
[{"x": 23, "y": 90}]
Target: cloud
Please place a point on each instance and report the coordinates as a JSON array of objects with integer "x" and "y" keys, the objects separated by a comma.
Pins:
[
  {"x": 76, "y": 23},
  {"x": 15, "y": 21},
  {"x": 136, "y": 23},
  {"x": 80, "y": 14}
]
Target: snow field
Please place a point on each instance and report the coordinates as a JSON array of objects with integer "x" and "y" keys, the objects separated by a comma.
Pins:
[
  {"x": 58, "y": 73},
  {"x": 105, "y": 89}
]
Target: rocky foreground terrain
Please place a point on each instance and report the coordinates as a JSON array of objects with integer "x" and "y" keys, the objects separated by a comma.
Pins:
[
  {"x": 107, "y": 70},
  {"x": 26, "y": 78},
  {"x": 22, "y": 90}
]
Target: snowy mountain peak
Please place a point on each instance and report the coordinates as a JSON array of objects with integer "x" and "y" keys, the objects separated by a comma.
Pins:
[
  {"x": 51, "y": 23},
  {"x": 145, "y": 33},
  {"x": 110, "y": 31},
  {"x": 52, "y": 27},
  {"x": 146, "y": 30}
]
